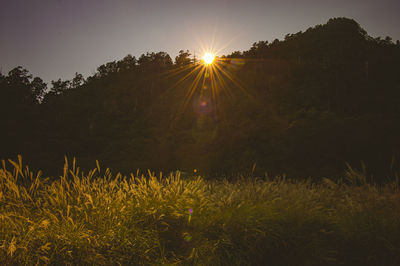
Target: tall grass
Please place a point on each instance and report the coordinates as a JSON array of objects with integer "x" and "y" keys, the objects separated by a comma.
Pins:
[{"x": 100, "y": 218}]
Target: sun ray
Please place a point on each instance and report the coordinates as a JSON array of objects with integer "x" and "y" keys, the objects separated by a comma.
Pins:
[
  {"x": 193, "y": 72},
  {"x": 223, "y": 84},
  {"x": 218, "y": 51},
  {"x": 208, "y": 82},
  {"x": 213, "y": 40},
  {"x": 192, "y": 89},
  {"x": 173, "y": 72},
  {"x": 234, "y": 81}
]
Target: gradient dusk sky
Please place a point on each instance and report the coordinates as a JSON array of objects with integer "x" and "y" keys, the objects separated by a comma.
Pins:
[{"x": 56, "y": 38}]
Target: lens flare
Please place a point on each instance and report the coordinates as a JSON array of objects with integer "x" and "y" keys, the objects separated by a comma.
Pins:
[
  {"x": 208, "y": 58},
  {"x": 207, "y": 85},
  {"x": 187, "y": 237}
]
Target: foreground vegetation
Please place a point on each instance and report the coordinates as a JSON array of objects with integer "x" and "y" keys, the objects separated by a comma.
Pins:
[{"x": 100, "y": 218}]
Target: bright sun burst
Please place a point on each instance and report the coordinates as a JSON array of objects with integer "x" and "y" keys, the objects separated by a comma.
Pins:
[
  {"x": 208, "y": 58},
  {"x": 208, "y": 79}
]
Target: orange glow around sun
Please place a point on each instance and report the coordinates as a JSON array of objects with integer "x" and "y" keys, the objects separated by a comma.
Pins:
[
  {"x": 209, "y": 80},
  {"x": 208, "y": 58}
]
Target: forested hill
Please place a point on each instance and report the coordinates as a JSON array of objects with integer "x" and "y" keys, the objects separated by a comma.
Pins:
[{"x": 304, "y": 106}]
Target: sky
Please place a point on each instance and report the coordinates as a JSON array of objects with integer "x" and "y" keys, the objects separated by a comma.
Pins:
[{"x": 56, "y": 38}]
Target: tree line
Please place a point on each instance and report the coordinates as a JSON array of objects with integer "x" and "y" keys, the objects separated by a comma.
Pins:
[{"x": 305, "y": 106}]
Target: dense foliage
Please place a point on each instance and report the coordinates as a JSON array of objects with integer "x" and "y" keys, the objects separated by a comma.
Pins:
[
  {"x": 103, "y": 219},
  {"x": 305, "y": 105}
]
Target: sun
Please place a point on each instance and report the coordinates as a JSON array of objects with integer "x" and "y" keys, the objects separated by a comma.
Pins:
[
  {"x": 208, "y": 58},
  {"x": 209, "y": 79}
]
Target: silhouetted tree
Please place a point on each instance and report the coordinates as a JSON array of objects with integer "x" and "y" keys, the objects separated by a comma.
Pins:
[
  {"x": 128, "y": 62},
  {"x": 183, "y": 58},
  {"x": 77, "y": 81},
  {"x": 59, "y": 86},
  {"x": 307, "y": 104}
]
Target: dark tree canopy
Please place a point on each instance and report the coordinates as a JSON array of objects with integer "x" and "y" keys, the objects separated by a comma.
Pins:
[
  {"x": 183, "y": 58},
  {"x": 308, "y": 105}
]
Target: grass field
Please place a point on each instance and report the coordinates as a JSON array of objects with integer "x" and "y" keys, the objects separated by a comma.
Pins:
[{"x": 104, "y": 219}]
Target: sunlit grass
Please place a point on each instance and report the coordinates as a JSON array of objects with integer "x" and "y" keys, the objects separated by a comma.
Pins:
[{"x": 100, "y": 218}]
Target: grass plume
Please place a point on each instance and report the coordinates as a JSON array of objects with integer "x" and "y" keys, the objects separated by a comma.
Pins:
[{"x": 100, "y": 218}]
